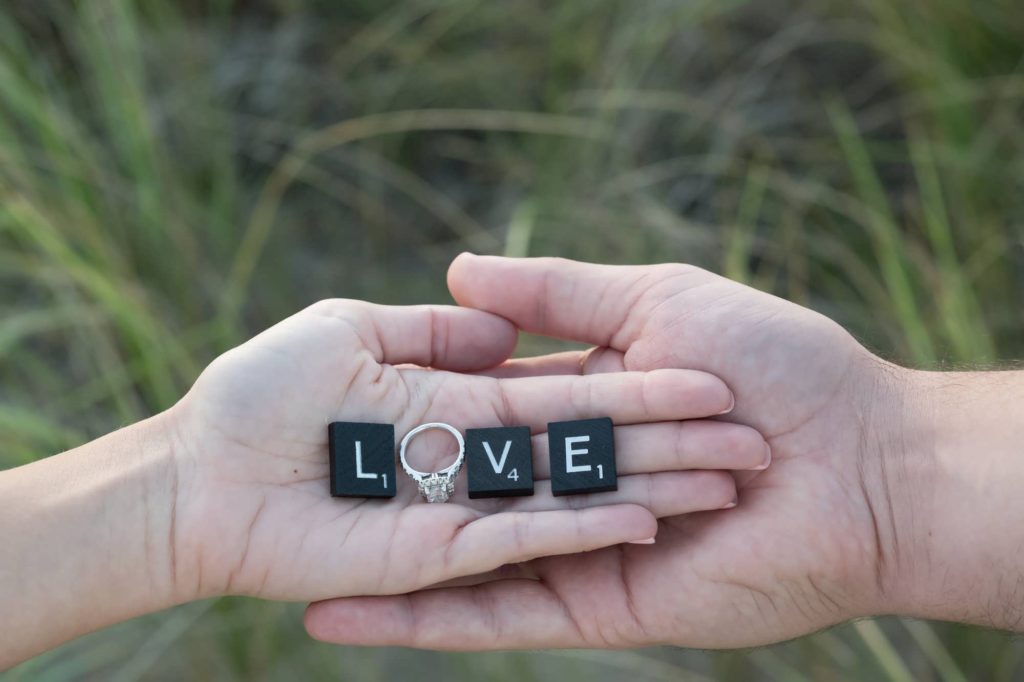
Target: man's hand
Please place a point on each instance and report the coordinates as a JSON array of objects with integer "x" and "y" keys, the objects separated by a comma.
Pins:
[{"x": 822, "y": 536}]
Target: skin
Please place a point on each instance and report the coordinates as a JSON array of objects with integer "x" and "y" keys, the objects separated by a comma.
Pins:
[
  {"x": 226, "y": 492},
  {"x": 890, "y": 491}
]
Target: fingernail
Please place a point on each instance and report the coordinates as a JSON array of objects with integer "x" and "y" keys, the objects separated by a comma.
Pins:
[
  {"x": 732, "y": 404},
  {"x": 648, "y": 541},
  {"x": 767, "y": 459},
  {"x": 730, "y": 505}
]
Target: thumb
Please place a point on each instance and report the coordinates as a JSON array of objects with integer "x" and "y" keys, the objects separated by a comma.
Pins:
[{"x": 603, "y": 305}]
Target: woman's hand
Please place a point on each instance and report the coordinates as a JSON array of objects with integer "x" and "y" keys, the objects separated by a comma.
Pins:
[
  {"x": 820, "y": 537},
  {"x": 253, "y": 515},
  {"x": 227, "y": 492}
]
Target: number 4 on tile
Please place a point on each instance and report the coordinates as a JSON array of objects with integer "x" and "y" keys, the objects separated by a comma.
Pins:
[{"x": 499, "y": 462}]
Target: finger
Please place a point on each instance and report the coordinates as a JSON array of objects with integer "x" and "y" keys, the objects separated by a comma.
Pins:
[
  {"x": 569, "y": 362},
  {"x": 534, "y": 402},
  {"x": 509, "y": 614},
  {"x": 443, "y": 337},
  {"x": 598, "y": 304},
  {"x": 668, "y": 493},
  {"x": 524, "y": 571},
  {"x": 625, "y": 397},
  {"x": 674, "y": 446},
  {"x": 601, "y": 360},
  {"x": 512, "y": 537},
  {"x": 597, "y": 360},
  {"x": 745, "y": 478}
]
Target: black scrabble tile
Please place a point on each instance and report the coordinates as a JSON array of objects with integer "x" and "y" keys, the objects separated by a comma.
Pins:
[
  {"x": 582, "y": 457},
  {"x": 499, "y": 462},
  {"x": 362, "y": 459}
]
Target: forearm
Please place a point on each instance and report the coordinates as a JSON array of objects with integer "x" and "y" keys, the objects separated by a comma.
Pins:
[
  {"x": 86, "y": 539},
  {"x": 961, "y": 516}
]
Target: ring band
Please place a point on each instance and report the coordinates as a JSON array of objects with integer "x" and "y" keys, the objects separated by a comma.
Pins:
[{"x": 437, "y": 486}]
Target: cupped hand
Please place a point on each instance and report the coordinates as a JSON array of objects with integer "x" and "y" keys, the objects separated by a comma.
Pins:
[
  {"x": 812, "y": 541},
  {"x": 253, "y": 513}
]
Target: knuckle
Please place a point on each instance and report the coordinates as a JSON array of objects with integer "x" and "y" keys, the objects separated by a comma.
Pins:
[
  {"x": 336, "y": 307},
  {"x": 520, "y": 532},
  {"x": 681, "y": 445},
  {"x": 581, "y": 396},
  {"x": 683, "y": 270},
  {"x": 646, "y": 394},
  {"x": 440, "y": 337},
  {"x": 503, "y": 405}
]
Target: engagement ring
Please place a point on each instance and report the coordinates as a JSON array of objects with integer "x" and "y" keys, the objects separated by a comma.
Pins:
[{"x": 438, "y": 486}]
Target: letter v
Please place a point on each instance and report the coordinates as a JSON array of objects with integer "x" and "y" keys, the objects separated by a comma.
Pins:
[{"x": 498, "y": 466}]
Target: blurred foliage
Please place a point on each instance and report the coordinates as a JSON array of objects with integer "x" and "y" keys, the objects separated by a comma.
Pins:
[{"x": 177, "y": 176}]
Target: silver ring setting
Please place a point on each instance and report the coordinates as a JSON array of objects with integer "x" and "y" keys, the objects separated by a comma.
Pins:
[{"x": 437, "y": 486}]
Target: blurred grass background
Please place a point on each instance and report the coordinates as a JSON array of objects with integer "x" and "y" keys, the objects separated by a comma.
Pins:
[{"x": 177, "y": 175}]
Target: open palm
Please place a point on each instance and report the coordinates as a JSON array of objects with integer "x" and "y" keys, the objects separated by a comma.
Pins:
[
  {"x": 806, "y": 547},
  {"x": 253, "y": 513}
]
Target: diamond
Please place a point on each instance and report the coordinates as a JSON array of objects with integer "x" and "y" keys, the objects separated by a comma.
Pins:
[{"x": 435, "y": 489}]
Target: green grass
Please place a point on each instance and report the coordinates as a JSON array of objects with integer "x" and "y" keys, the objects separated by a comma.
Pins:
[{"x": 172, "y": 180}]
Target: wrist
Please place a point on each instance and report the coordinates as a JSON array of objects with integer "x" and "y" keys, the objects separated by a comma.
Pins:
[
  {"x": 952, "y": 478},
  {"x": 161, "y": 475},
  {"x": 87, "y": 534},
  {"x": 214, "y": 509},
  {"x": 126, "y": 487}
]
